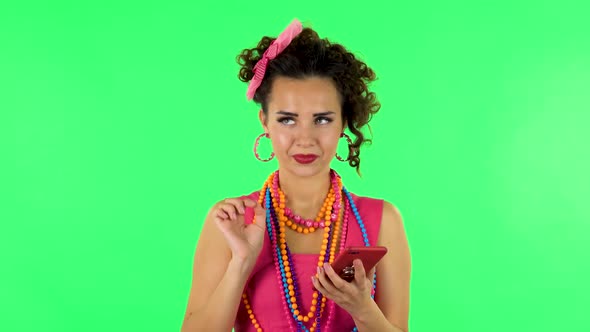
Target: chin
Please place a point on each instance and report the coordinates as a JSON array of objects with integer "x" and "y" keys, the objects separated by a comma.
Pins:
[{"x": 308, "y": 170}]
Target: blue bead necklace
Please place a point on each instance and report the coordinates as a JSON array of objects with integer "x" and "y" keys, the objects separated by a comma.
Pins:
[{"x": 270, "y": 217}]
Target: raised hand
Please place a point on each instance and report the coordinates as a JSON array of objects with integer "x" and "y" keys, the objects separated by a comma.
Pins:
[{"x": 245, "y": 241}]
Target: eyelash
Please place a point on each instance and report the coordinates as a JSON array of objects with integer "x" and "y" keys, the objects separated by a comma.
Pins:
[{"x": 328, "y": 120}]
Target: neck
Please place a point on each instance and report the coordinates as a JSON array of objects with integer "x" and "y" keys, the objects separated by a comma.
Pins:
[{"x": 305, "y": 195}]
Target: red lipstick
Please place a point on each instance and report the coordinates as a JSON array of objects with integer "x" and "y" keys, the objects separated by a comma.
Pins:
[{"x": 305, "y": 158}]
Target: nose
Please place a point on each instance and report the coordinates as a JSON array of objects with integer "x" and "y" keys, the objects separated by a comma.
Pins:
[{"x": 305, "y": 136}]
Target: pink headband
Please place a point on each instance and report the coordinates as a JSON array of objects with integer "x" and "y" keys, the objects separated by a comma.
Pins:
[{"x": 276, "y": 47}]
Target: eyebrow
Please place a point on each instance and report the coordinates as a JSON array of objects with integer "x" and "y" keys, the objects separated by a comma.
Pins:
[{"x": 295, "y": 114}]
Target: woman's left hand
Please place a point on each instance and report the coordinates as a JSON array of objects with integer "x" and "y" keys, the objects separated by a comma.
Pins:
[{"x": 354, "y": 296}]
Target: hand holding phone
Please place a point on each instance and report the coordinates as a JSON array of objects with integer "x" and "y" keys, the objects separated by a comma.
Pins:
[{"x": 370, "y": 256}]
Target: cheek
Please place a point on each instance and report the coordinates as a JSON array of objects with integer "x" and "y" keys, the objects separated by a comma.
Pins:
[
  {"x": 330, "y": 143},
  {"x": 281, "y": 141}
]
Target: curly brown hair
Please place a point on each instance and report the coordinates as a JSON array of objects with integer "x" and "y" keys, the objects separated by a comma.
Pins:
[{"x": 307, "y": 55}]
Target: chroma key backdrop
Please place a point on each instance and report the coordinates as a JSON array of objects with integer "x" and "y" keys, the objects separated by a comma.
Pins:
[{"x": 123, "y": 122}]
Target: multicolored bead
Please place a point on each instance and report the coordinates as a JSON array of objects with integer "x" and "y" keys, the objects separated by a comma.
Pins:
[{"x": 278, "y": 218}]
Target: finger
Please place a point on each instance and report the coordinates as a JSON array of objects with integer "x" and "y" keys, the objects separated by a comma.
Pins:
[
  {"x": 238, "y": 203},
  {"x": 250, "y": 202},
  {"x": 325, "y": 282},
  {"x": 229, "y": 212},
  {"x": 254, "y": 204},
  {"x": 221, "y": 223},
  {"x": 316, "y": 283},
  {"x": 260, "y": 214},
  {"x": 338, "y": 282},
  {"x": 230, "y": 209},
  {"x": 359, "y": 270},
  {"x": 221, "y": 214},
  {"x": 371, "y": 273},
  {"x": 259, "y": 208}
]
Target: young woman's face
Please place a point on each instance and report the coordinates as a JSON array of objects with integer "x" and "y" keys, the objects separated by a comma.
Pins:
[{"x": 304, "y": 123}]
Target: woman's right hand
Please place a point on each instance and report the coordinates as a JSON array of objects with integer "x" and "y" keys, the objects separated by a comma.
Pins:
[{"x": 245, "y": 241}]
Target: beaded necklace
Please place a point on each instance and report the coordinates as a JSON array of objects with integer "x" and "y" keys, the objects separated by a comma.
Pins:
[{"x": 277, "y": 220}]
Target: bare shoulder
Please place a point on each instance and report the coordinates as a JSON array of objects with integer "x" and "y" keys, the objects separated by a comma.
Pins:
[
  {"x": 392, "y": 234},
  {"x": 392, "y": 224},
  {"x": 393, "y": 293}
]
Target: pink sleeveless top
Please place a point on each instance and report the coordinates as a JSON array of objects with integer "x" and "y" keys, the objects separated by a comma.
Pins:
[{"x": 265, "y": 294}]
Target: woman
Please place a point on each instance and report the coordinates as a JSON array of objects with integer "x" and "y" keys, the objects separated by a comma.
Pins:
[{"x": 262, "y": 262}]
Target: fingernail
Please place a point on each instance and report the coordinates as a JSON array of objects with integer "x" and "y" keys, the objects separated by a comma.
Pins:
[{"x": 318, "y": 270}]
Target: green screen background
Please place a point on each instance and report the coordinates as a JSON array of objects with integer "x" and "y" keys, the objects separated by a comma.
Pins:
[{"x": 121, "y": 123}]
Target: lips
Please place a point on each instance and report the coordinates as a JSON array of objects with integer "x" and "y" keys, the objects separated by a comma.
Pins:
[{"x": 305, "y": 158}]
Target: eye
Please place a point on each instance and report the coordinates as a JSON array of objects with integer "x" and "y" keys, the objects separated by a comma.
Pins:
[
  {"x": 323, "y": 120},
  {"x": 284, "y": 120}
]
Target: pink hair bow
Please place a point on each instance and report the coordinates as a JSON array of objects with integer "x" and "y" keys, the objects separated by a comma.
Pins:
[{"x": 276, "y": 47}]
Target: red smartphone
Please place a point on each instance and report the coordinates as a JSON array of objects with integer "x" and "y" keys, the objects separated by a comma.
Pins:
[{"x": 370, "y": 256}]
